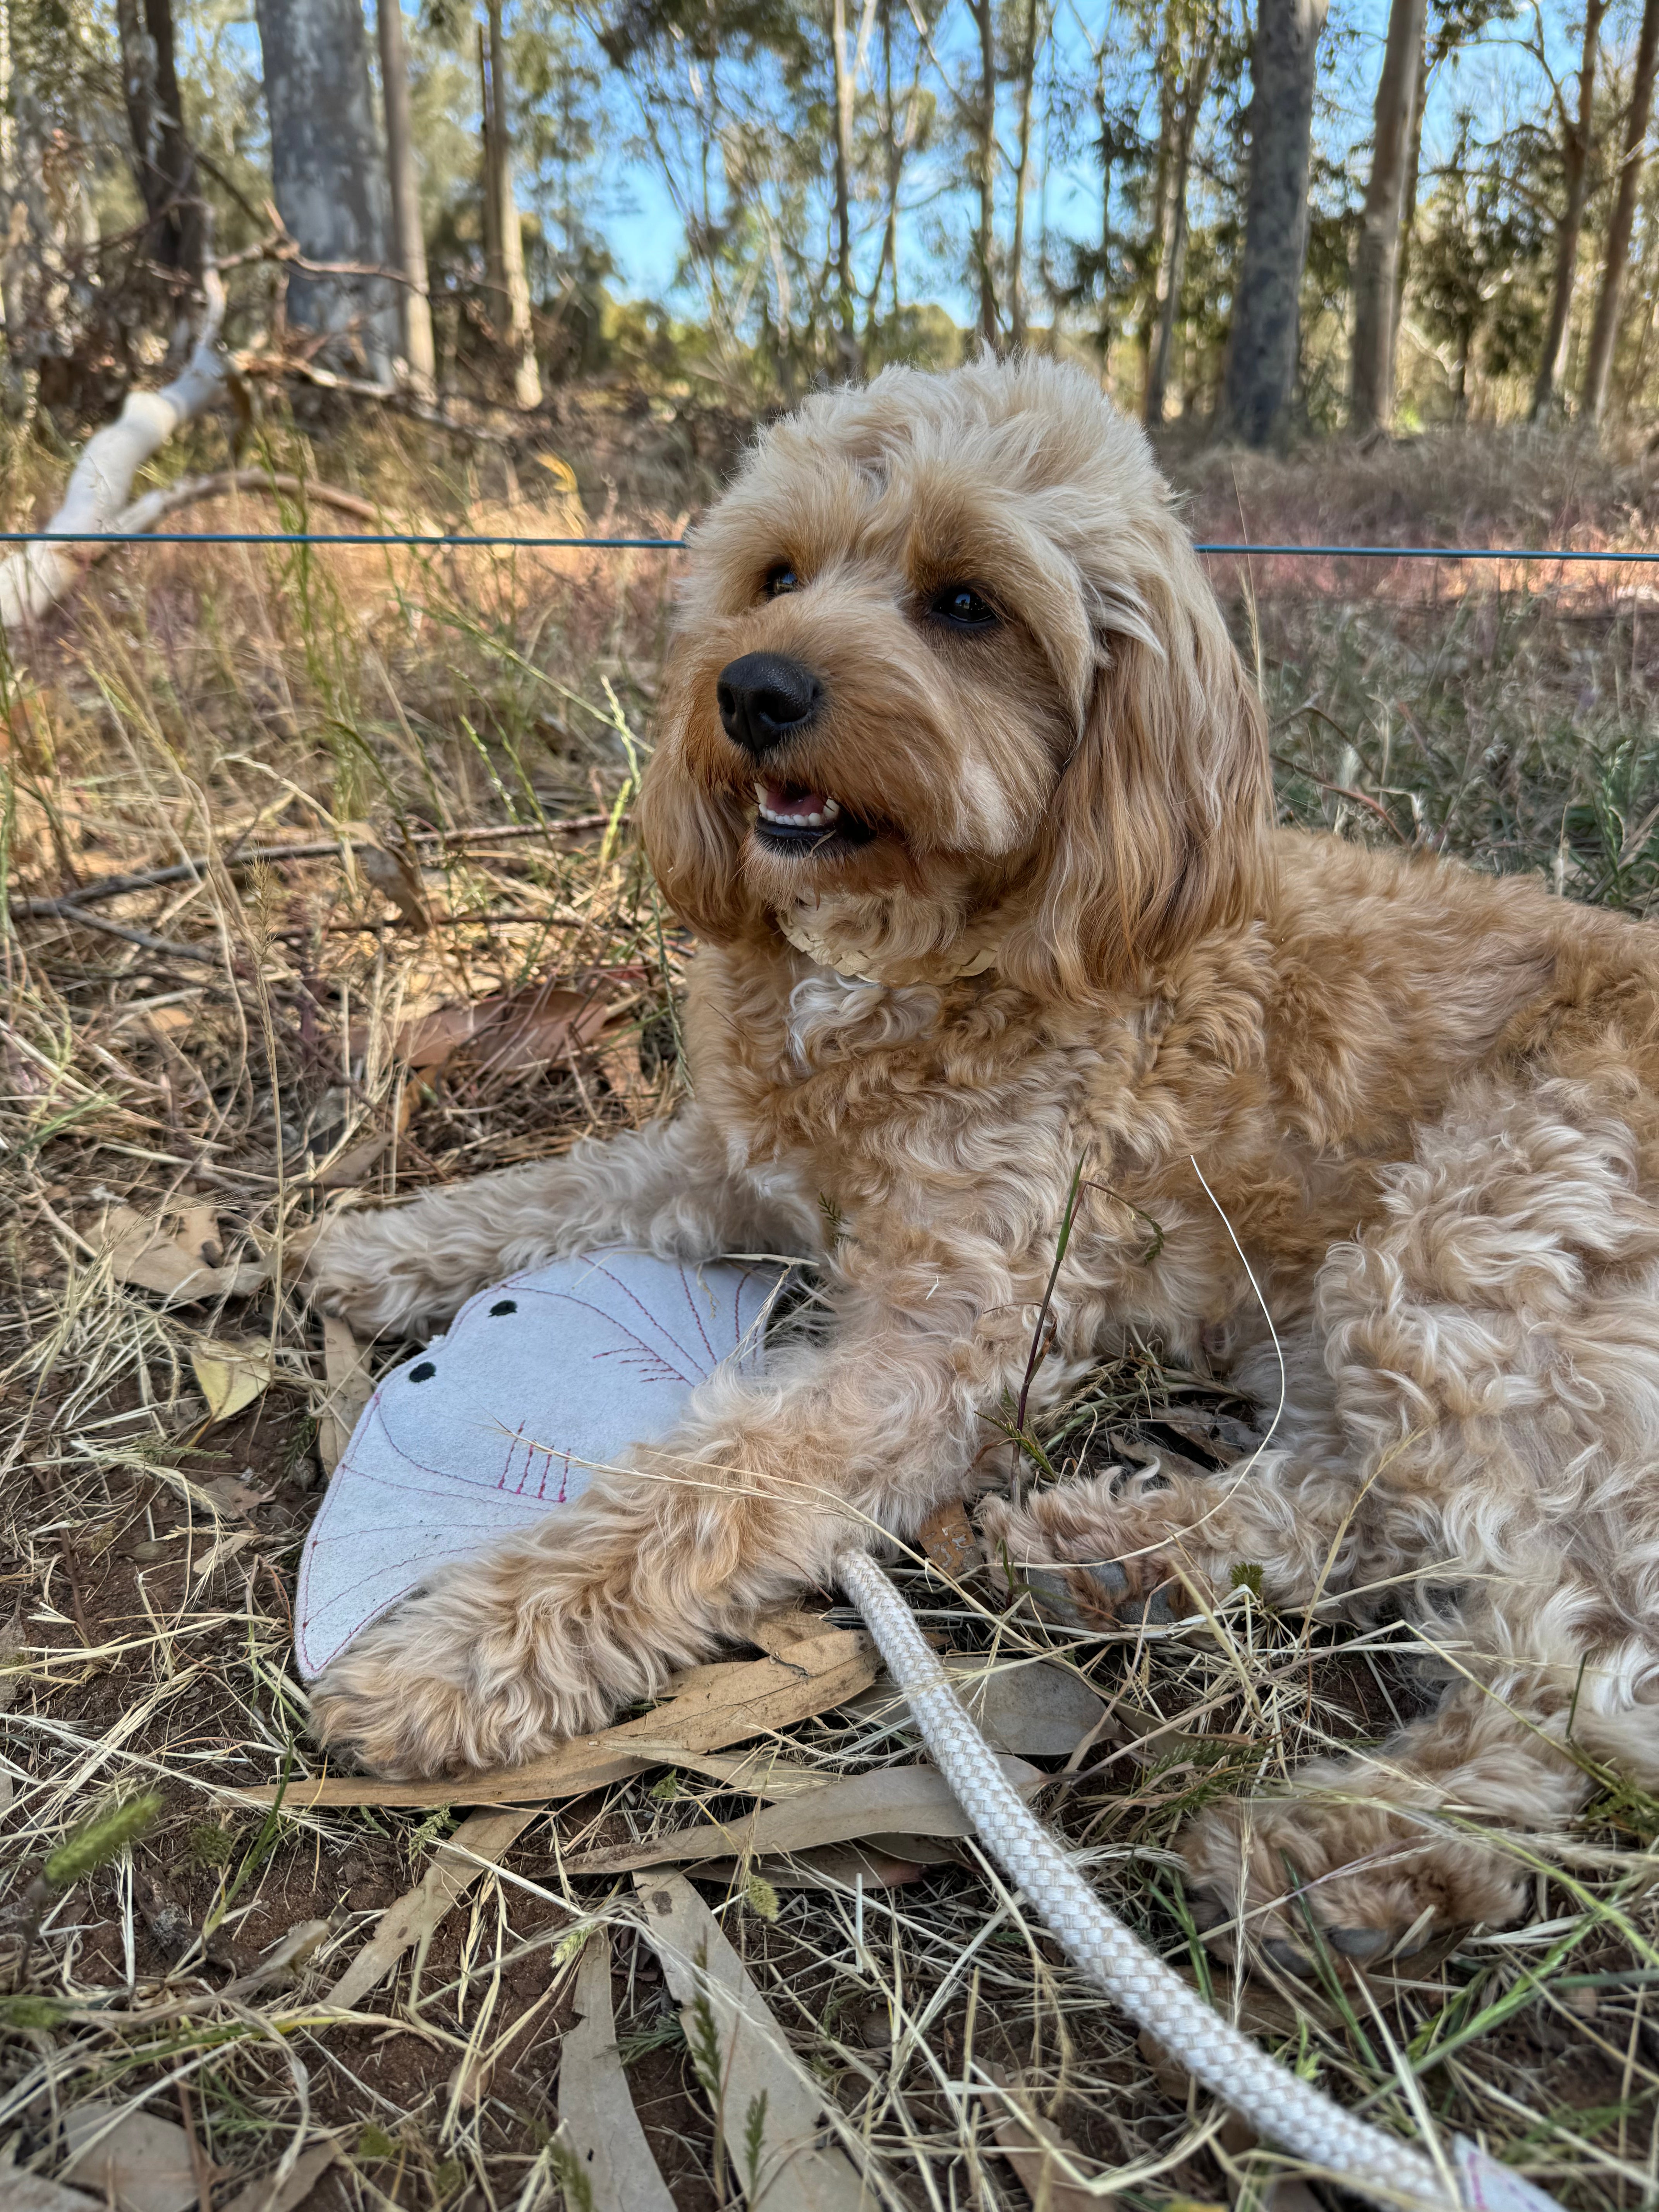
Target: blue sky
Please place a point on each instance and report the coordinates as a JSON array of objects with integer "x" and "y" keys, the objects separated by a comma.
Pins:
[{"x": 1492, "y": 74}]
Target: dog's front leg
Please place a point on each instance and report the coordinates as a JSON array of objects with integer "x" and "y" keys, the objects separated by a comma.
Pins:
[
  {"x": 669, "y": 1188},
  {"x": 752, "y": 1496}
]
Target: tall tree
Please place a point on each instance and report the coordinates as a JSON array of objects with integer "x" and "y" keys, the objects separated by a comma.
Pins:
[
  {"x": 897, "y": 143},
  {"x": 503, "y": 232},
  {"x": 1189, "y": 56},
  {"x": 848, "y": 68},
  {"x": 408, "y": 240},
  {"x": 1265, "y": 341},
  {"x": 1032, "y": 34},
  {"x": 163, "y": 163},
  {"x": 1604, "y": 330},
  {"x": 1377, "y": 264},
  {"x": 985, "y": 176},
  {"x": 1578, "y": 144},
  {"x": 325, "y": 167}
]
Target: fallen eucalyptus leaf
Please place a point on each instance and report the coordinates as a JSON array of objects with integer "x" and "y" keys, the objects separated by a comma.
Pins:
[
  {"x": 597, "y": 2118},
  {"x": 772, "y": 2111},
  {"x": 455, "y": 1869},
  {"x": 22, "y": 2192},
  {"x": 142, "y": 1253},
  {"x": 231, "y": 1376},
  {"x": 231, "y": 1495},
  {"x": 1030, "y": 2143},
  {"x": 139, "y": 2163},
  {"x": 348, "y": 1387},
  {"x": 308, "y": 2170},
  {"x": 891, "y": 1803}
]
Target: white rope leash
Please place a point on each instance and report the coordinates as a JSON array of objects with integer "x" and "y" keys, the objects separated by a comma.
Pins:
[{"x": 1272, "y": 2098}]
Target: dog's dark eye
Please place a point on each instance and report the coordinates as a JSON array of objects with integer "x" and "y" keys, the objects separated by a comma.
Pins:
[
  {"x": 780, "y": 580},
  {"x": 963, "y": 607}
]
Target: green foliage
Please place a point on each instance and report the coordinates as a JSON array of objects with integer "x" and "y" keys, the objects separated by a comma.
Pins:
[
  {"x": 572, "y": 2176},
  {"x": 754, "y": 2137},
  {"x": 40, "y": 2015},
  {"x": 760, "y": 1896},
  {"x": 210, "y": 1845},
  {"x": 100, "y": 1839}
]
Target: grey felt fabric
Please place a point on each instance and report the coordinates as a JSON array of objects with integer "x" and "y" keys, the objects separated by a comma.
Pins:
[{"x": 501, "y": 1422}]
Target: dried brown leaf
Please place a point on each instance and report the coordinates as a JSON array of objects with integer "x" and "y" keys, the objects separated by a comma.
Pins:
[
  {"x": 747, "y": 1699},
  {"x": 22, "y": 2192},
  {"x": 308, "y": 2170},
  {"x": 762, "y": 2085},
  {"x": 396, "y": 876},
  {"x": 140, "y": 2164},
  {"x": 1029, "y": 2143},
  {"x": 453, "y": 1871},
  {"x": 597, "y": 2118},
  {"x": 347, "y": 1386},
  {"x": 891, "y": 1802},
  {"x": 144, "y": 1254},
  {"x": 231, "y": 1375}
]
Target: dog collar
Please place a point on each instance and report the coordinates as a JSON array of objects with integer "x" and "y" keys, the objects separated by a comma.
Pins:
[{"x": 817, "y": 947}]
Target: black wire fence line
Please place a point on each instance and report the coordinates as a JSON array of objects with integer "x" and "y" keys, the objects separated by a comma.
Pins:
[{"x": 440, "y": 540}]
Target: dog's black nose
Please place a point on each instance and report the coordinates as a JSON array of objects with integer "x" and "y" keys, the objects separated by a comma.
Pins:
[{"x": 765, "y": 698}]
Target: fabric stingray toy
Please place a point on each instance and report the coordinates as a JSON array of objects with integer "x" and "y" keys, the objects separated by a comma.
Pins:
[{"x": 502, "y": 1420}]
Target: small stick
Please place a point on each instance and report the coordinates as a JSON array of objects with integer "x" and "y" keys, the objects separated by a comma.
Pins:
[
  {"x": 256, "y": 856},
  {"x": 198, "y": 2164},
  {"x": 70, "y": 910}
]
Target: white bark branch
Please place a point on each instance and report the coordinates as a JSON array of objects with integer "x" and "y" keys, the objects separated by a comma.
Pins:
[{"x": 35, "y": 577}]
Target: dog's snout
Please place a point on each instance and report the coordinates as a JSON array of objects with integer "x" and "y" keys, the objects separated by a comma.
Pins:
[{"x": 764, "y": 698}]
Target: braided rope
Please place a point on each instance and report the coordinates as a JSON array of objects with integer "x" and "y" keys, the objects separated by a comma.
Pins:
[{"x": 1273, "y": 2099}]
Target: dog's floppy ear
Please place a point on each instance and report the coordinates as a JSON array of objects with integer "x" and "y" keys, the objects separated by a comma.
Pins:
[
  {"x": 1158, "y": 830},
  {"x": 693, "y": 830},
  {"x": 693, "y": 837}
]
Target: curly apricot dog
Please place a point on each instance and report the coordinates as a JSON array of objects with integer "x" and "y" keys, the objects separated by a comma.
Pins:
[{"x": 963, "y": 789}]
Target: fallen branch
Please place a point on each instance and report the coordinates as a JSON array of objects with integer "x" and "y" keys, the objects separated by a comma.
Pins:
[
  {"x": 145, "y": 512},
  {"x": 35, "y": 577},
  {"x": 269, "y": 856},
  {"x": 68, "y": 911}
]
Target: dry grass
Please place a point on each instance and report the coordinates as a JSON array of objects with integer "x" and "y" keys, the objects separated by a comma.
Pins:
[{"x": 196, "y": 703}]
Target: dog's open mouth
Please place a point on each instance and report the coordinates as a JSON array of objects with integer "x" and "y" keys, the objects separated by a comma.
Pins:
[{"x": 791, "y": 817}]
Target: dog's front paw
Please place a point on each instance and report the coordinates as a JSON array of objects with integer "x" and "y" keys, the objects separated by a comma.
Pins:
[
  {"x": 1084, "y": 1560},
  {"x": 383, "y": 1275},
  {"x": 1361, "y": 1876},
  {"x": 441, "y": 1687}
]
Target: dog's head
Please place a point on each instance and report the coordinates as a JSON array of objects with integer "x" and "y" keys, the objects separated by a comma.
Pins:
[{"x": 945, "y": 661}]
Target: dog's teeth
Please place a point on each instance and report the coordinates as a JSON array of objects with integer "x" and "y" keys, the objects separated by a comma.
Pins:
[{"x": 820, "y": 819}]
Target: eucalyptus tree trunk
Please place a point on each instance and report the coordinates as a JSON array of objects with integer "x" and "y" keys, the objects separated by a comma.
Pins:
[
  {"x": 326, "y": 168},
  {"x": 1376, "y": 265},
  {"x": 846, "y": 90},
  {"x": 1173, "y": 274},
  {"x": 1108, "y": 157},
  {"x": 1265, "y": 342},
  {"x": 163, "y": 163},
  {"x": 1028, "y": 59},
  {"x": 896, "y": 143},
  {"x": 1162, "y": 223},
  {"x": 1604, "y": 330},
  {"x": 1408, "y": 210},
  {"x": 408, "y": 240},
  {"x": 1578, "y": 135},
  {"x": 985, "y": 162},
  {"x": 503, "y": 235}
]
